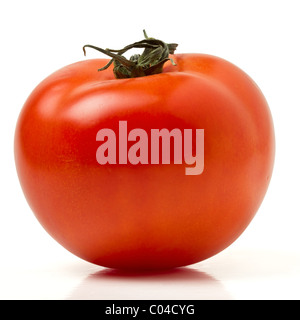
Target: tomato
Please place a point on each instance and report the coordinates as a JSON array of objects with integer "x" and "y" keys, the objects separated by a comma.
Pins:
[{"x": 145, "y": 215}]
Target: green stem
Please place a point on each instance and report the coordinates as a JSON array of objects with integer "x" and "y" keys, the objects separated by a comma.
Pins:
[{"x": 151, "y": 61}]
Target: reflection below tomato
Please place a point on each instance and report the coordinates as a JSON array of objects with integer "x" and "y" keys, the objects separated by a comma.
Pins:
[{"x": 175, "y": 284}]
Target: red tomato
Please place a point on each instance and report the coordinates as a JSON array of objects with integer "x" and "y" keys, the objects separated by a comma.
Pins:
[{"x": 145, "y": 216}]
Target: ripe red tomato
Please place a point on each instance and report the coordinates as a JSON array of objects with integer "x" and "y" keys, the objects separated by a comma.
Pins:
[{"x": 145, "y": 216}]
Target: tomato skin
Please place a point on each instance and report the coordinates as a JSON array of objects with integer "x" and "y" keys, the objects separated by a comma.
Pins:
[{"x": 145, "y": 216}]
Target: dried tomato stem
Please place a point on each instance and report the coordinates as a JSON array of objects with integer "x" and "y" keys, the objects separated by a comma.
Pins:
[{"x": 151, "y": 61}]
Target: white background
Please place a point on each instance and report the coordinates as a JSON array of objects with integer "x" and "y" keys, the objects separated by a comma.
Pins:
[{"x": 259, "y": 36}]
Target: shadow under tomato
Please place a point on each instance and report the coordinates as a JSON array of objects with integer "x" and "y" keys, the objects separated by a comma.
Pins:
[{"x": 180, "y": 283}]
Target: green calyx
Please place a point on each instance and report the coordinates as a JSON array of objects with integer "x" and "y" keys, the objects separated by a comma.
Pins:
[{"x": 151, "y": 61}]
